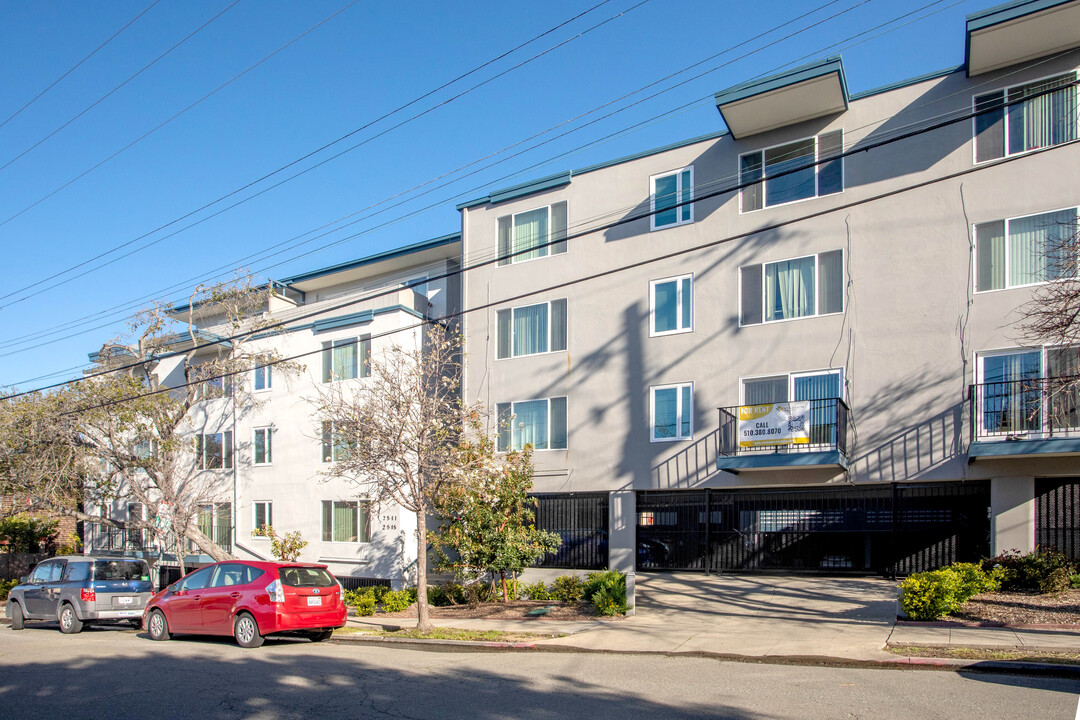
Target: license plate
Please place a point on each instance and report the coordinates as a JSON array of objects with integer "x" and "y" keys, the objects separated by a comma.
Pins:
[
  {"x": 129, "y": 613},
  {"x": 125, "y": 600},
  {"x": 314, "y": 601}
]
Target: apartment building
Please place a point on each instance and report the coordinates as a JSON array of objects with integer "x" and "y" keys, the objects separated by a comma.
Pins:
[
  {"x": 793, "y": 344},
  {"x": 265, "y": 460}
]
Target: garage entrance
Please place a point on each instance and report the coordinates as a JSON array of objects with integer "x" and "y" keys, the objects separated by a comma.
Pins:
[{"x": 893, "y": 529}]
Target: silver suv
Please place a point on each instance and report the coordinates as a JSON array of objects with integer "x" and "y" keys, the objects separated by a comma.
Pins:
[{"x": 79, "y": 589}]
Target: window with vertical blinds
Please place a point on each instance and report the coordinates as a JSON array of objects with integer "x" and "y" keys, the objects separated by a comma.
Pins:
[
  {"x": 1026, "y": 117},
  {"x": 1025, "y": 251},
  {"x": 789, "y": 289},
  {"x": 531, "y": 329},
  {"x": 346, "y": 359},
  {"x": 532, "y": 234},
  {"x": 539, "y": 423}
]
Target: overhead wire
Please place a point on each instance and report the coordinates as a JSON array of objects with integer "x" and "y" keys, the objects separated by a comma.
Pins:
[{"x": 262, "y": 329}]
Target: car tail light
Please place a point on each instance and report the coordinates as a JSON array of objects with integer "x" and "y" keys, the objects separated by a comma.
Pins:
[
  {"x": 276, "y": 592},
  {"x": 87, "y": 595}
]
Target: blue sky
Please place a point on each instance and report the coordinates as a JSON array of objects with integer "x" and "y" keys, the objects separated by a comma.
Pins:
[{"x": 364, "y": 62}]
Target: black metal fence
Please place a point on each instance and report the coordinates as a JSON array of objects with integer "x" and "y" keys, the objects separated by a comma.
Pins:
[
  {"x": 101, "y": 537},
  {"x": 826, "y": 426},
  {"x": 887, "y": 529},
  {"x": 355, "y": 583},
  {"x": 1057, "y": 515},
  {"x": 1033, "y": 407},
  {"x": 581, "y": 520}
]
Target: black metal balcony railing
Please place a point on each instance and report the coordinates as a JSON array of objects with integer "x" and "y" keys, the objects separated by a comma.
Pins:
[
  {"x": 827, "y": 430},
  {"x": 1034, "y": 408},
  {"x": 101, "y": 537}
]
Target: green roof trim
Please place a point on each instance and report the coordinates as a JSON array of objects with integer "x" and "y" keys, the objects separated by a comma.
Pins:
[
  {"x": 1002, "y": 14},
  {"x": 372, "y": 259},
  {"x": 784, "y": 79}
]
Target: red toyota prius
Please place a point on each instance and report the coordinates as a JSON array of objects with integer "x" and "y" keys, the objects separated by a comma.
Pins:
[{"x": 249, "y": 600}]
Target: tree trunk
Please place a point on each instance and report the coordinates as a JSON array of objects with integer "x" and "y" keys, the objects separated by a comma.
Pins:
[
  {"x": 207, "y": 545},
  {"x": 502, "y": 577},
  {"x": 423, "y": 614}
]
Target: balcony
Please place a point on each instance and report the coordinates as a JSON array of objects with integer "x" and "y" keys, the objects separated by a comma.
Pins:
[
  {"x": 1034, "y": 416},
  {"x": 104, "y": 538},
  {"x": 797, "y": 435}
]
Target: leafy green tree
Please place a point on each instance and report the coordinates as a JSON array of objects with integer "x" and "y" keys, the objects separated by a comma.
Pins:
[{"x": 488, "y": 522}]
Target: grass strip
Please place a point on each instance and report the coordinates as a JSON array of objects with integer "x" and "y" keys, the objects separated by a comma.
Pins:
[
  {"x": 970, "y": 653},
  {"x": 445, "y": 633}
]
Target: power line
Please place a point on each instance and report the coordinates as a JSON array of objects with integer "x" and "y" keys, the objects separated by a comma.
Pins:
[
  {"x": 608, "y": 226},
  {"x": 580, "y": 148},
  {"x": 311, "y": 154},
  {"x": 77, "y": 65},
  {"x": 108, "y": 94}
]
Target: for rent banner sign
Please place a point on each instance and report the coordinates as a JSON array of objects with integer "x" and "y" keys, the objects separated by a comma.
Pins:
[{"x": 774, "y": 424}]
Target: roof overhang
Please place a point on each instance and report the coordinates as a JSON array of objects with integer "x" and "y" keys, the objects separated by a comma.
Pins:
[
  {"x": 805, "y": 93},
  {"x": 1019, "y": 31}
]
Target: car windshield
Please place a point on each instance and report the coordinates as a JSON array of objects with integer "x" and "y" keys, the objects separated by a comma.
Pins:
[
  {"x": 121, "y": 570},
  {"x": 306, "y": 577}
]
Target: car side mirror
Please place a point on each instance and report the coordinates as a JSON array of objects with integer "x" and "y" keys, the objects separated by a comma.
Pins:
[{"x": 24, "y": 580}]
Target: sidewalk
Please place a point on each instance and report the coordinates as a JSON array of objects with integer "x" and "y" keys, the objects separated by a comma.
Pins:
[{"x": 838, "y": 620}]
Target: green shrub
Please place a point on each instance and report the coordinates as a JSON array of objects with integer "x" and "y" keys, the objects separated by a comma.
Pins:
[
  {"x": 398, "y": 600},
  {"x": 352, "y": 597},
  {"x": 5, "y": 588},
  {"x": 365, "y": 605},
  {"x": 448, "y": 594},
  {"x": 974, "y": 580},
  {"x": 931, "y": 595},
  {"x": 1074, "y": 581},
  {"x": 606, "y": 591},
  {"x": 379, "y": 591},
  {"x": 567, "y": 588},
  {"x": 536, "y": 591},
  {"x": 1039, "y": 571},
  {"x": 478, "y": 592}
]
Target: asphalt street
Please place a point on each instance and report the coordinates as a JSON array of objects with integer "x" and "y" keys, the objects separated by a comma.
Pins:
[{"x": 104, "y": 673}]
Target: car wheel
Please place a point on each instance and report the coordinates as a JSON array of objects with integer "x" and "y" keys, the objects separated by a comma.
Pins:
[
  {"x": 69, "y": 621},
  {"x": 320, "y": 635},
  {"x": 246, "y": 631},
  {"x": 16, "y": 614},
  {"x": 157, "y": 626}
]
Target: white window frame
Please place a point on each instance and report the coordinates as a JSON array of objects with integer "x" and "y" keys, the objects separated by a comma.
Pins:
[
  {"x": 817, "y": 167},
  {"x": 545, "y": 250},
  {"x": 1005, "y": 270},
  {"x": 550, "y": 336},
  {"x": 791, "y": 377},
  {"x": 333, "y": 445},
  {"x": 679, "y": 302},
  {"x": 228, "y": 450},
  {"x": 362, "y": 361},
  {"x": 267, "y": 375},
  {"x": 255, "y": 517},
  {"x": 680, "y": 411},
  {"x": 547, "y": 402},
  {"x": 682, "y": 195},
  {"x": 1005, "y": 89},
  {"x": 360, "y": 505},
  {"x": 268, "y": 431},
  {"x": 817, "y": 285}
]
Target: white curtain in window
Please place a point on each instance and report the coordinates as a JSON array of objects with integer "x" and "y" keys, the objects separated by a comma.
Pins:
[
  {"x": 530, "y": 329},
  {"x": 789, "y": 289},
  {"x": 1035, "y": 246},
  {"x": 530, "y": 424},
  {"x": 345, "y": 361},
  {"x": 530, "y": 230},
  {"x": 345, "y": 516},
  {"x": 1045, "y": 120}
]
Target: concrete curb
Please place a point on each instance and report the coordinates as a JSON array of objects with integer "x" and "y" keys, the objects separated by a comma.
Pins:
[{"x": 911, "y": 663}]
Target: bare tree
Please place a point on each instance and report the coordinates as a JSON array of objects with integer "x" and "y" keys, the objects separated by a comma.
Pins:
[
  {"x": 397, "y": 432},
  {"x": 131, "y": 433}
]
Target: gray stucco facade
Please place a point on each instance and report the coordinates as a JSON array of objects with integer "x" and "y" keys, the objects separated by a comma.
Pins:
[{"x": 903, "y": 329}]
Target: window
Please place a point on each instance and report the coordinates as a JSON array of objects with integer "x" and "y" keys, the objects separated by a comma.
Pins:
[
  {"x": 801, "y": 287},
  {"x": 134, "y": 512},
  {"x": 531, "y": 330},
  {"x": 540, "y": 423},
  {"x": 345, "y": 521},
  {"x": 672, "y": 412},
  {"x": 214, "y": 450},
  {"x": 146, "y": 449},
  {"x": 214, "y": 520},
  {"x": 262, "y": 517},
  {"x": 335, "y": 447},
  {"x": 669, "y": 193},
  {"x": 532, "y": 234},
  {"x": 1038, "y": 114},
  {"x": 794, "y": 171},
  {"x": 1024, "y": 251},
  {"x": 671, "y": 305},
  {"x": 47, "y": 572},
  {"x": 346, "y": 359},
  {"x": 261, "y": 446},
  {"x": 1017, "y": 395},
  {"x": 262, "y": 378},
  {"x": 822, "y": 388}
]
